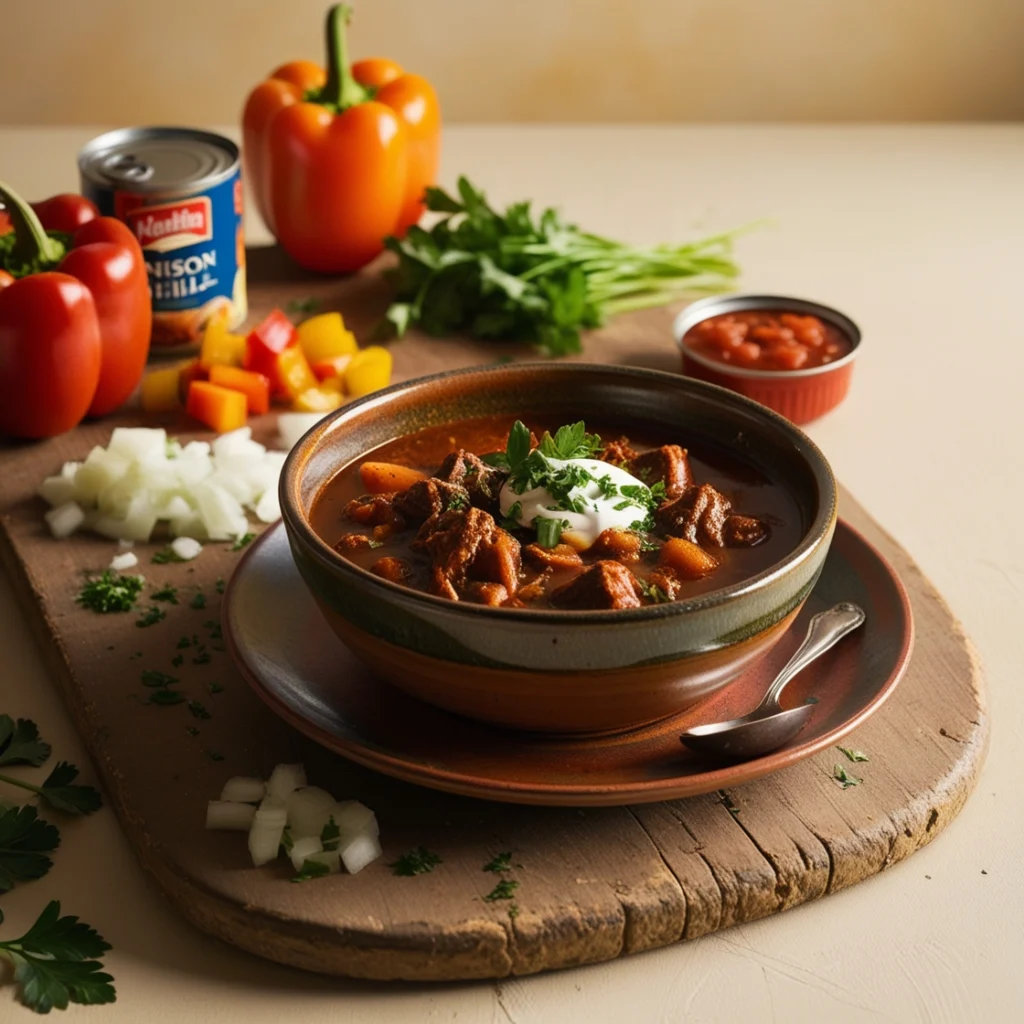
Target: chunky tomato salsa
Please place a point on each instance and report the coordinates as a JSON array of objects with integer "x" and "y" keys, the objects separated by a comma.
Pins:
[
  {"x": 765, "y": 340},
  {"x": 507, "y": 514}
]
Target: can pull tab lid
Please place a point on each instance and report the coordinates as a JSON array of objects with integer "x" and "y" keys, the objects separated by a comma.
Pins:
[{"x": 128, "y": 167}]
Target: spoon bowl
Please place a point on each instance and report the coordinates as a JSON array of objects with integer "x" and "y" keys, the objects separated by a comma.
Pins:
[{"x": 769, "y": 726}]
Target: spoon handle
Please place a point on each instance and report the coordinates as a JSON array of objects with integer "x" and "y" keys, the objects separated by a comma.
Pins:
[{"x": 825, "y": 629}]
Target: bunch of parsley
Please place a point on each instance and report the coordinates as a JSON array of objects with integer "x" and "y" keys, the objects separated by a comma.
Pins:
[{"x": 511, "y": 276}]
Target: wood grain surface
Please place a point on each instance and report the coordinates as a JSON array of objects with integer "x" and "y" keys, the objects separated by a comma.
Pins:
[{"x": 593, "y": 884}]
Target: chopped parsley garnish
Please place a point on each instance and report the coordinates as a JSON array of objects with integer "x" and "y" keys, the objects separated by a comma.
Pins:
[
  {"x": 456, "y": 503},
  {"x": 157, "y": 680},
  {"x": 166, "y": 698},
  {"x": 570, "y": 442},
  {"x": 214, "y": 755},
  {"x": 20, "y": 742},
  {"x": 549, "y": 531},
  {"x": 646, "y": 544},
  {"x": 25, "y": 840},
  {"x": 167, "y": 594},
  {"x": 184, "y": 642},
  {"x": 244, "y": 541},
  {"x": 204, "y": 657},
  {"x": 510, "y": 521},
  {"x": 197, "y": 710},
  {"x": 198, "y": 601},
  {"x": 311, "y": 869},
  {"x": 191, "y": 730},
  {"x": 307, "y": 305},
  {"x": 844, "y": 778},
  {"x": 653, "y": 592},
  {"x": 374, "y": 544},
  {"x": 214, "y": 688},
  {"x": 151, "y": 617},
  {"x": 418, "y": 861},
  {"x": 165, "y": 556},
  {"x": 504, "y": 890},
  {"x": 500, "y": 864},
  {"x": 219, "y": 585},
  {"x": 854, "y": 755},
  {"x": 214, "y": 631},
  {"x": 330, "y": 835},
  {"x": 513, "y": 911},
  {"x": 56, "y": 962},
  {"x": 178, "y": 660},
  {"x": 110, "y": 592},
  {"x": 609, "y": 489}
]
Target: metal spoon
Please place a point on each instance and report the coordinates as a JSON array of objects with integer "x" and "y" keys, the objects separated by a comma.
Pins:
[{"x": 768, "y": 727}]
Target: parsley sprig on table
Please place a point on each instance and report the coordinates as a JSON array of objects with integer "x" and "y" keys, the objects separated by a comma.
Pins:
[
  {"x": 56, "y": 962},
  {"x": 541, "y": 280},
  {"x": 25, "y": 840}
]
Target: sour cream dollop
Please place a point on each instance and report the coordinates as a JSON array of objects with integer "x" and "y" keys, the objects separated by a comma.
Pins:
[{"x": 600, "y": 511}]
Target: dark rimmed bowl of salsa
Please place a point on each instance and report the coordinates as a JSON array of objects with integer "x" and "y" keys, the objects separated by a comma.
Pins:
[
  {"x": 449, "y": 592},
  {"x": 791, "y": 355}
]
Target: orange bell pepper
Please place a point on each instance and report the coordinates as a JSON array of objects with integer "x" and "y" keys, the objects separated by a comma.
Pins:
[
  {"x": 339, "y": 159},
  {"x": 221, "y": 409},
  {"x": 254, "y": 386}
]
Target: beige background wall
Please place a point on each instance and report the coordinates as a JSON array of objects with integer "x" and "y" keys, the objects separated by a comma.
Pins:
[{"x": 182, "y": 61}]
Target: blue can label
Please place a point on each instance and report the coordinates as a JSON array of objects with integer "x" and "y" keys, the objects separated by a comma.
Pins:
[{"x": 195, "y": 256}]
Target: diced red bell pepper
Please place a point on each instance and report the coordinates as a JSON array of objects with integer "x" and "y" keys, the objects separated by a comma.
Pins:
[
  {"x": 265, "y": 343},
  {"x": 254, "y": 386}
]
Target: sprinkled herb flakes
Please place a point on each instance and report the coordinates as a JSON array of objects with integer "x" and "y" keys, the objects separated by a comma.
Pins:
[
  {"x": 110, "y": 592},
  {"x": 418, "y": 861},
  {"x": 844, "y": 778},
  {"x": 151, "y": 617}
]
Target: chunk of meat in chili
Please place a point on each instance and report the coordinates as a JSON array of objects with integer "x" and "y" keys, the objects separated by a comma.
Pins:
[
  {"x": 744, "y": 531},
  {"x": 622, "y": 545},
  {"x": 618, "y": 452},
  {"x": 605, "y": 584},
  {"x": 375, "y": 510},
  {"x": 669, "y": 465},
  {"x": 561, "y": 556},
  {"x": 353, "y": 542},
  {"x": 536, "y": 588},
  {"x": 465, "y": 543},
  {"x": 430, "y": 498},
  {"x": 491, "y": 594},
  {"x": 482, "y": 482},
  {"x": 699, "y": 515},
  {"x": 666, "y": 581},
  {"x": 397, "y": 570}
]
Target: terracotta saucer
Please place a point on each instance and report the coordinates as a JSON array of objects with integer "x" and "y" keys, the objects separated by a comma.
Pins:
[{"x": 296, "y": 664}]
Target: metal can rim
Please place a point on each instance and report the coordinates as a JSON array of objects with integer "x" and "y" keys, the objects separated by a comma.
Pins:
[{"x": 704, "y": 309}]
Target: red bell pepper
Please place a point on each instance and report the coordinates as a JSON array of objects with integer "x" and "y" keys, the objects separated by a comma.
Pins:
[
  {"x": 65, "y": 213},
  {"x": 75, "y": 318},
  {"x": 265, "y": 343}
]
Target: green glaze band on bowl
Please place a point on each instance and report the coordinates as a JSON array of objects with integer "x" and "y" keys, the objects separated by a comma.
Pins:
[{"x": 405, "y": 633}]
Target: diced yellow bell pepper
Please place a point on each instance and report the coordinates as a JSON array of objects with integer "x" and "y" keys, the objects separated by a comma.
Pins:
[
  {"x": 318, "y": 399},
  {"x": 293, "y": 373},
  {"x": 160, "y": 390},
  {"x": 370, "y": 370},
  {"x": 324, "y": 337},
  {"x": 333, "y": 384},
  {"x": 220, "y": 347}
]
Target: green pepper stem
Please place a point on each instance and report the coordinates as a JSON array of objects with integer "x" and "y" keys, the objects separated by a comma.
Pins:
[
  {"x": 31, "y": 242},
  {"x": 340, "y": 90}
]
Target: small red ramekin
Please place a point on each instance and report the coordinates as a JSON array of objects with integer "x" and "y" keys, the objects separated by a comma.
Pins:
[{"x": 799, "y": 395}]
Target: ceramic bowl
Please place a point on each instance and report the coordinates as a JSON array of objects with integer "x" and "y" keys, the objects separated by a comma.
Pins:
[
  {"x": 799, "y": 395},
  {"x": 549, "y": 670}
]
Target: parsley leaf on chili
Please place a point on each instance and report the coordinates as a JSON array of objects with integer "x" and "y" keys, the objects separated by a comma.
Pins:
[
  {"x": 56, "y": 962},
  {"x": 549, "y": 531}
]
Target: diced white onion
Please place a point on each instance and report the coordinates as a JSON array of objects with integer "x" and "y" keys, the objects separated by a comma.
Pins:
[
  {"x": 126, "y": 560},
  {"x": 64, "y": 519},
  {"x": 284, "y": 779},
  {"x": 353, "y": 817},
  {"x": 292, "y": 425},
  {"x": 309, "y": 809},
  {"x": 227, "y": 814},
  {"x": 359, "y": 850},
  {"x": 302, "y": 848},
  {"x": 143, "y": 479},
  {"x": 186, "y": 548},
  {"x": 264, "y": 840},
  {"x": 244, "y": 790},
  {"x": 273, "y": 811}
]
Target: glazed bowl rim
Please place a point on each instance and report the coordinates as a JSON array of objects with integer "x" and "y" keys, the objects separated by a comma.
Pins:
[
  {"x": 688, "y": 318},
  {"x": 299, "y": 528}
]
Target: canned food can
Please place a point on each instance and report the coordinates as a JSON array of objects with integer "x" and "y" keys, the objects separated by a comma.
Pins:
[{"x": 180, "y": 191}]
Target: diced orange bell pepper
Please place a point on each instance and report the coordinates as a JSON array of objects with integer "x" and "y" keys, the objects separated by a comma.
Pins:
[
  {"x": 188, "y": 372},
  {"x": 160, "y": 390},
  {"x": 254, "y": 386},
  {"x": 370, "y": 370},
  {"x": 220, "y": 347},
  {"x": 318, "y": 399},
  {"x": 326, "y": 369},
  {"x": 266, "y": 342},
  {"x": 221, "y": 409},
  {"x": 324, "y": 337},
  {"x": 292, "y": 373}
]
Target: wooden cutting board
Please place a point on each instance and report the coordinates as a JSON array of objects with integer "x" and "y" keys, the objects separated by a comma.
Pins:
[{"x": 594, "y": 884}]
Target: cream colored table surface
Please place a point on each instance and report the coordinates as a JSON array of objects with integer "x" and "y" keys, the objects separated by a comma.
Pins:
[{"x": 918, "y": 234}]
